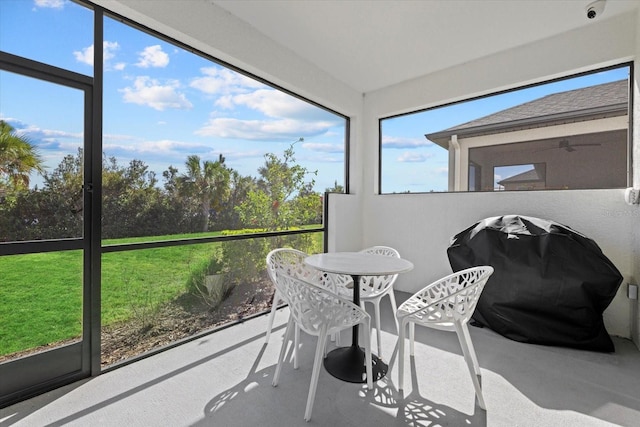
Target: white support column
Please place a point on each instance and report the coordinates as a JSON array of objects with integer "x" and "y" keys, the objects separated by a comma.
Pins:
[
  {"x": 457, "y": 169},
  {"x": 635, "y": 181}
]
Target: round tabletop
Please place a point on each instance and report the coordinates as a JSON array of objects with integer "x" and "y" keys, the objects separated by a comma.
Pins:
[{"x": 358, "y": 263}]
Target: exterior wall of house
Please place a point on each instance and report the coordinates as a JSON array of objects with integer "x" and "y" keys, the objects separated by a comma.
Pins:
[{"x": 603, "y": 166}]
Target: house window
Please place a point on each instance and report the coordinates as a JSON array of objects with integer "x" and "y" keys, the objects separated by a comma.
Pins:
[
  {"x": 519, "y": 177},
  {"x": 571, "y": 133},
  {"x": 475, "y": 176}
]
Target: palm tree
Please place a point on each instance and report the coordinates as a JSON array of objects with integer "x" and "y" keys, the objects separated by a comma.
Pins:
[
  {"x": 18, "y": 158},
  {"x": 209, "y": 183}
]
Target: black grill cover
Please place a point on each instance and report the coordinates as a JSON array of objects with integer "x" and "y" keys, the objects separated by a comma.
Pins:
[{"x": 550, "y": 284}]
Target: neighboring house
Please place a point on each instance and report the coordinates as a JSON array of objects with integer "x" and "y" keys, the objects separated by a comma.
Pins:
[
  {"x": 569, "y": 140},
  {"x": 530, "y": 180}
]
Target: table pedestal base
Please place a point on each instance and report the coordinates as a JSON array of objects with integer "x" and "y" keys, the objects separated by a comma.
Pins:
[{"x": 347, "y": 364}]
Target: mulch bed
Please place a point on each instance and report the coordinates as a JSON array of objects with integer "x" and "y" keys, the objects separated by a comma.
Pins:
[{"x": 178, "y": 319}]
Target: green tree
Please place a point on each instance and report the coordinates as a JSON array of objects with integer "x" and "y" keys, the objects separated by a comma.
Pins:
[
  {"x": 337, "y": 188},
  {"x": 208, "y": 183},
  {"x": 18, "y": 159},
  {"x": 132, "y": 204},
  {"x": 53, "y": 212},
  {"x": 283, "y": 198}
]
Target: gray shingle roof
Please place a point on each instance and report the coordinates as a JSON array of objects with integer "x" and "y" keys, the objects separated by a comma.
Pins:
[
  {"x": 527, "y": 176},
  {"x": 604, "y": 99}
]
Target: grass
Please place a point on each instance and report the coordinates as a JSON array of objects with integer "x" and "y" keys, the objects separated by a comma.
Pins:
[
  {"x": 40, "y": 299},
  {"x": 41, "y": 294}
]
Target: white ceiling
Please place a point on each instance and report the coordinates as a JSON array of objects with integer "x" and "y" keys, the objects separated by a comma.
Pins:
[{"x": 373, "y": 44}]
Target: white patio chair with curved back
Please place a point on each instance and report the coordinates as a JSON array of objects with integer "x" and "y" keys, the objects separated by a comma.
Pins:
[
  {"x": 446, "y": 304},
  {"x": 319, "y": 312},
  {"x": 374, "y": 288},
  {"x": 291, "y": 262}
]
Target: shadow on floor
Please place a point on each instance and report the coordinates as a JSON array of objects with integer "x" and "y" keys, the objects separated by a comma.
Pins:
[{"x": 254, "y": 401}]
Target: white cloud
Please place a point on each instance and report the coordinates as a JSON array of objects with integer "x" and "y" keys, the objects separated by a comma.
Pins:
[
  {"x": 287, "y": 117},
  {"x": 48, "y": 135},
  {"x": 444, "y": 171},
  {"x": 404, "y": 143},
  {"x": 235, "y": 155},
  {"x": 85, "y": 55},
  {"x": 223, "y": 81},
  {"x": 225, "y": 102},
  {"x": 323, "y": 147},
  {"x": 52, "y": 4},
  {"x": 262, "y": 130},
  {"x": 277, "y": 104},
  {"x": 407, "y": 157},
  {"x": 153, "y": 56},
  {"x": 163, "y": 147},
  {"x": 150, "y": 92},
  {"x": 117, "y": 137},
  {"x": 325, "y": 158},
  {"x": 108, "y": 51},
  {"x": 15, "y": 123}
]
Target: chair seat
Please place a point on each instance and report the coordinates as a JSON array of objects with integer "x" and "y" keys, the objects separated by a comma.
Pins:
[
  {"x": 319, "y": 312},
  {"x": 446, "y": 304}
]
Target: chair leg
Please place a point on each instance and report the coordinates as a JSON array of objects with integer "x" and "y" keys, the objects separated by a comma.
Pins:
[
  {"x": 401, "y": 332},
  {"x": 394, "y": 307},
  {"x": 472, "y": 351},
  {"x": 272, "y": 315},
  {"x": 322, "y": 341},
  {"x": 296, "y": 344},
  {"x": 283, "y": 349},
  {"x": 376, "y": 306},
  {"x": 412, "y": 338},
  {"x": 471, "y": 360},
  {"x": 367, "y": 352}
]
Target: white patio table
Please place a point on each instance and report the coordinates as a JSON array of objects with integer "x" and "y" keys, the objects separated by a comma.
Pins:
[{"x": 347, "y": 363}]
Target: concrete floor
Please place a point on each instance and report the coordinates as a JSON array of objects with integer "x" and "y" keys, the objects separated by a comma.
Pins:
[{"x": 224, "y": 379}]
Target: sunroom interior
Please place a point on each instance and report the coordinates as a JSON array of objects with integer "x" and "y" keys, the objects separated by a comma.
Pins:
[{"x": 370, "y": 61}]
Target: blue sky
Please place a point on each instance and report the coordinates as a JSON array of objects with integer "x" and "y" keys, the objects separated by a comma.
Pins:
[{"x": 162, "y": 103}]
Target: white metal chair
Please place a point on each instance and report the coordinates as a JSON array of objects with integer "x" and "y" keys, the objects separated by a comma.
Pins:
[
  {"x": 374, "y": 288},
  {"x": 446, "y": 304},
  {"x": 319, "y": 312},
  {"x": 291, "y": 262}
]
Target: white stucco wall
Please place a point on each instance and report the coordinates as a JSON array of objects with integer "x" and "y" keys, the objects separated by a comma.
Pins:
[
  {"x": 635, "y": 329},
  {"x": 420, "y": 226}
]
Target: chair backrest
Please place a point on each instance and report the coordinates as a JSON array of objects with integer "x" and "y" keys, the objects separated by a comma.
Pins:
[
  {"x": 452, "y": 298},
  {"x": 375, "y": 285},
  {"x": 291, "y": 262},
  {"x": 314, "y": 307},
  {"x": 288, "y": 261}
]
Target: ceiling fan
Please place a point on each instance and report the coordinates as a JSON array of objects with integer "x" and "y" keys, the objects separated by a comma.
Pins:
[{"x": 564, "y": 144}]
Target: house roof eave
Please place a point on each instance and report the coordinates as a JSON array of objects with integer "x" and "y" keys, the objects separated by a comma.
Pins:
[{"x": 442, "y": 138}]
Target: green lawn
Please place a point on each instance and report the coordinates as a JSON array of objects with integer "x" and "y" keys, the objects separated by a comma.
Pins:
[
  {"x": 40, "y": 299},
  {"x": 41, "y": 294}
]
